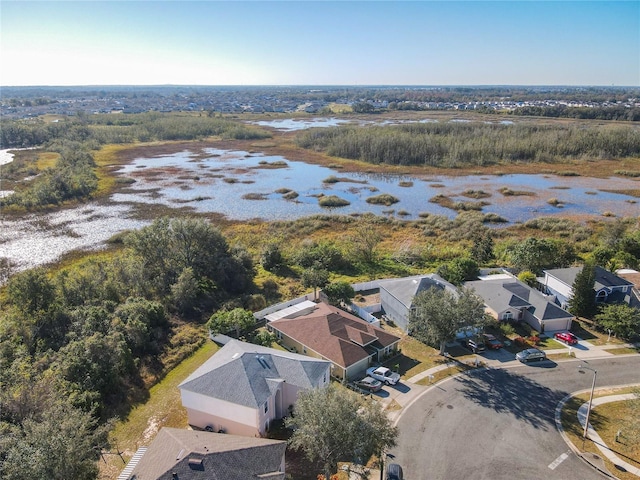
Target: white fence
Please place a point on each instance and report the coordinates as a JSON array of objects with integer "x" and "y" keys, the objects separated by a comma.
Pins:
[{"x": 279, "y": 306}]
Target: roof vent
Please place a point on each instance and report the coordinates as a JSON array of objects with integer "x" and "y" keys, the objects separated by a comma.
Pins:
[{"x": 195, "y": 463}]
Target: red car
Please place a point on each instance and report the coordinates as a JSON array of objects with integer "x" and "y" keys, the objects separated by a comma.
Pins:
[
  {"x": 566, "y": 337},
  {"x": 491, "y": 341}
]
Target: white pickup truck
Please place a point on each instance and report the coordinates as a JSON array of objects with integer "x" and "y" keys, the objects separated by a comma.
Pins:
[{"x": 384, "y": 375}]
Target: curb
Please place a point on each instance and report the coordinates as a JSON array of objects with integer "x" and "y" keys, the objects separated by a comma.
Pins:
[{"x": 580, "y": 454}]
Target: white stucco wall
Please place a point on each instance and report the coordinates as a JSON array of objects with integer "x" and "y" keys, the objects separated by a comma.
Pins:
[{"x": 218, "y": 409}]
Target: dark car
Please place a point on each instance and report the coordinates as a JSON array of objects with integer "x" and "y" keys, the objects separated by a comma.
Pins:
[
  {"x": 531, "y": 355},
  {"x": 369, "y": 384},
  {"x": 491, "y": 341},
  {"x": 394, "y": 472},
  {"x": 566, "y": 337},
  {"x": 475, "y": 345}
]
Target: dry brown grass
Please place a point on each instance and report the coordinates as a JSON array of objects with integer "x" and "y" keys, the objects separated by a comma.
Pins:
[{"x": 606, "y": 419}]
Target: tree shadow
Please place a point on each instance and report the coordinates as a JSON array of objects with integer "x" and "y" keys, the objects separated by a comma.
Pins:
[{"x": 505, "y": 392}]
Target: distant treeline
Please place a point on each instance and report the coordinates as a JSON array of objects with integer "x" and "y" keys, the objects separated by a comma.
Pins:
[
  {"x": 96, "y": 130},
  {"x": 73, "y": 175},
  {"x": 463, "y": 144},
  {"x": 588, "y": 113}
]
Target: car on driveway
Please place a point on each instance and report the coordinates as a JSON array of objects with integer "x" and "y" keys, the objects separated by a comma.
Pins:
[
  {"x": 491, "y": 341},
  {"x": 566, "y": 337},
  {"x": 369, "y": 384},
  {"x": 531, "y": 355},
  {"x": 473, "y": 344},
  {"x": 384, "y": 374}
]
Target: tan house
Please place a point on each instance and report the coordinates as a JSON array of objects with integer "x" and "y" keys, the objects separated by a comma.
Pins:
[{"x": 329, "y": 333}]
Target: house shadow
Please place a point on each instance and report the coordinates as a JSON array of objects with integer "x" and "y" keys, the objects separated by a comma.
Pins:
[
  {"x": 505, "y": 392},
  {"x": 401, "y": 387}
]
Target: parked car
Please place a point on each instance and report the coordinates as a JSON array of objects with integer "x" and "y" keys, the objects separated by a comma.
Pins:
[
  {"x": 530, "y": 355},
  {"x": 394, "y": 472},
  {"x": 475, "y": 345},
  {"x": 566, "y": 337},
  {"x": 369, "y": 383},
  {"x": 384, "y": 375},
  {"x": 491, "y": 341}
]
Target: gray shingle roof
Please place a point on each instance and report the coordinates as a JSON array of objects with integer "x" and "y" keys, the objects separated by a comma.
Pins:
[
  {"x": 404, "y": 289},
  {"x": 195, "y": 455},
  {"x": 604, "y": 278},
  {"x": 244, "y": 373},
  {"x": 500, "y": 294}
]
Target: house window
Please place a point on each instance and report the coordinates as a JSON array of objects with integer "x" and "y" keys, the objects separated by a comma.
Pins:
[
  {"x": 304, "y": 349},
  {"x": 507, "y": 316},
  {"x": 601, "y": 296},
  {"x": 266, "y": 407}
]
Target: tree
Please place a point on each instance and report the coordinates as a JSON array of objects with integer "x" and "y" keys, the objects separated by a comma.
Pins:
[
  {"x": 459, "y": 270},
  {"x": 333, "y": 424},
  {"x": 365, "y": 241},
  {"x": 185, "y": 291},
  {"x": 315, "y": 278},
  {"x": 528, "y": 277},
  {"x": 583, "y": 301},
  {"x": 271, "y": 258},
  {"x": 339, "y": 292},
  {"x": 60, "y": 442},
  {"x": 482, "y": 248},
  {"x": 538, "y": 254},
  {"x": 438, "y": 315},
  {"x": 620, "y": 318},
  {"x": 237, "y": 319}
]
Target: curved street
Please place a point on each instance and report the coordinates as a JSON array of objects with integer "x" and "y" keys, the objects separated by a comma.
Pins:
[{"x": 499, "y": 423}]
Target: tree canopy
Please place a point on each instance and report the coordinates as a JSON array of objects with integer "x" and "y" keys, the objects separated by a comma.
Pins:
[
  {"x": 583, "y": 301},
  {"x": 333, "y": 424},
  {"x": 438, "y": 315},
  {"x": 621, "y": 319}
]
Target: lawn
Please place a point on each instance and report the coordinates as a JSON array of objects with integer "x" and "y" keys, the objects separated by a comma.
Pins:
[
  {"x": 607, "y": 419},
  {"x": 162, "y": 409}
]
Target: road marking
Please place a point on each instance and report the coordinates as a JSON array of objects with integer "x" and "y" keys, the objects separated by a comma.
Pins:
[{"x": 558, "y": 461}]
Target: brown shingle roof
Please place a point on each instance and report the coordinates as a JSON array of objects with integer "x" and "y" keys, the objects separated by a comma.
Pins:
[{"x": 335, "y": 334}]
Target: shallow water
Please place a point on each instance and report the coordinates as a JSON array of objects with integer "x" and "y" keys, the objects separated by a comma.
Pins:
[{"x": 220, "y": 181}]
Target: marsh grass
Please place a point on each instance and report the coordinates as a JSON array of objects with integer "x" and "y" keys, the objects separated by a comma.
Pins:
[
  {"x": 477, "y": 194},
  {"x": 507, "y": 192},
  {"x": 383, "y": 199},
  {"x": 332, "y": 201}
]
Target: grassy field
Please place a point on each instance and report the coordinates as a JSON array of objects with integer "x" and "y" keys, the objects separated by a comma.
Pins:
[
  {"x": 162, "y": 409},
  {"x": 607, "y": 419}
]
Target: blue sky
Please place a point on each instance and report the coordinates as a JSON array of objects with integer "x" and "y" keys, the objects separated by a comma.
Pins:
[{"x": 319, "y": 43}]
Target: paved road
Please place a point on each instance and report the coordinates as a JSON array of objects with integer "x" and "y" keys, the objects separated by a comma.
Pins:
[{"x": 499, "y": 423}]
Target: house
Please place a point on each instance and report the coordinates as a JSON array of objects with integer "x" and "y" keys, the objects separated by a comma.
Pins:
[
  {"x": 396, "y": 295},
  {"x": 193, "y": 455},
  {"x": 243, "y": 387},
  {"x": 608, "y": 287},
  {"x": 327, "y": 332},
  {"x": 509, "y": 300}
]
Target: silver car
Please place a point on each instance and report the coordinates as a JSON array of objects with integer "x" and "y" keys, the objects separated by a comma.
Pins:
[{"x": 531, "y": 355}]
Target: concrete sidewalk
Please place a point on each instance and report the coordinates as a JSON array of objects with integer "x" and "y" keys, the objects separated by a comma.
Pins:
[{"x": 593, "y": 435}]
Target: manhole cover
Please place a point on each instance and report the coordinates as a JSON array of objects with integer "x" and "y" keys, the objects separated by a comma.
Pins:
[{"x": 450, "y": 407}]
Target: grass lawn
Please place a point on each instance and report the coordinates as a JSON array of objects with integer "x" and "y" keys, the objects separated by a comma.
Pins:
[
  {"x": 607, "y": 419},
  {"x": 163, "y": 409}
]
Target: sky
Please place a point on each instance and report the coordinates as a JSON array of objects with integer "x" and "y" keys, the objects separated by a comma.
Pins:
[{"x": 319, "y": 42}]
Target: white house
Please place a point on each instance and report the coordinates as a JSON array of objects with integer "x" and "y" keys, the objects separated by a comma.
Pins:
[
  {"x": 608, "y": 287},
  {"x": 243, "y": 387}
]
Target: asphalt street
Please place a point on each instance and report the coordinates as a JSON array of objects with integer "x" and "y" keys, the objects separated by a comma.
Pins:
[{"x": 499, "y": 423}]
